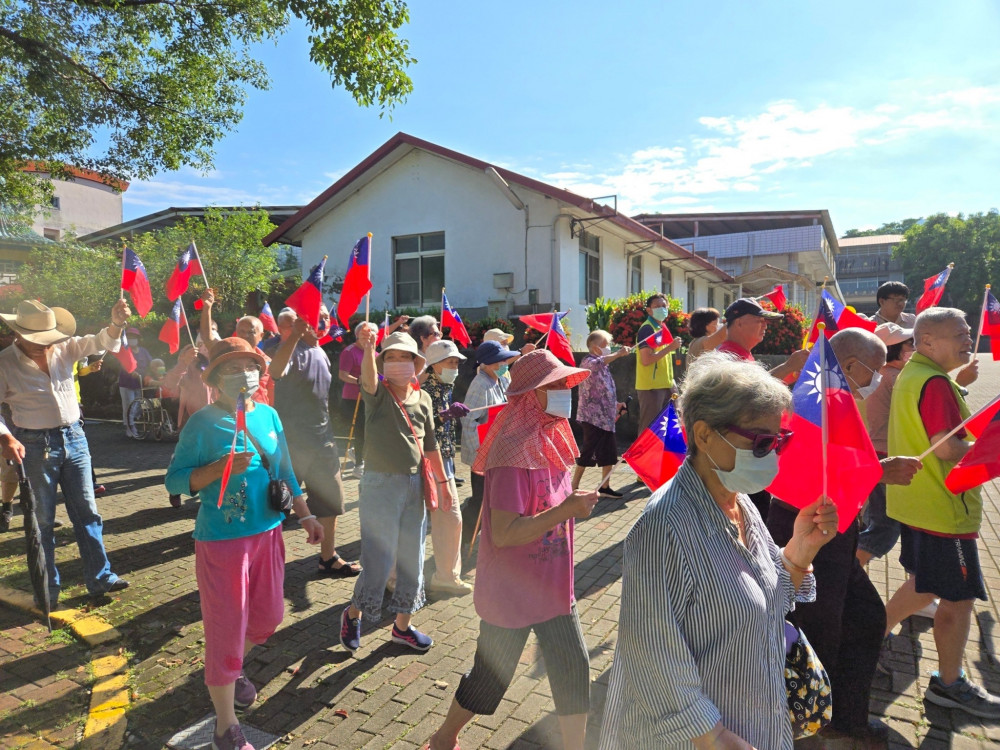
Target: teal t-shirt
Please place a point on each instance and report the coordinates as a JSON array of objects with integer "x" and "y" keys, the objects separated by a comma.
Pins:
[{"x": 207, "y": 437}]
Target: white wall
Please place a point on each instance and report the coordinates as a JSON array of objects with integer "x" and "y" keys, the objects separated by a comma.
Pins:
[{"x": 85, "y": 206}]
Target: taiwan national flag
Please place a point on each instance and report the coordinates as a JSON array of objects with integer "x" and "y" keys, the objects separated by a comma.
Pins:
[
  {"x": 241, "y": 426},
  {"x": 853, "y": 469},
  {"x": 659, "y": 451},
  {"x": 663, "y": 337},
  {"x": 777, "y": 297},
  {"x": 451, "y": 318},
  {"x": 136, "y": 282},
  {"x": 491, "y": 417},
  {"x": 357, "y": 281},
  {"x": 170, "y": 334},
  {"x": 982, "y": 462},
  {"x": 381, "y": 330},
  {"x": 307, "y": 299},
  {"x": 558, "y": 342},
  {"x": 187, "y": 266},
  {"x": 541, "y": 322},
  {"x": 837, "y": 318},
  {"x": 933, "y": 290},
  {"x": 330, "y": 334},
  {"x": 991, "y": 323},
  {"x": 125, "y": 357},
  {"x": 267, "y": 319}
]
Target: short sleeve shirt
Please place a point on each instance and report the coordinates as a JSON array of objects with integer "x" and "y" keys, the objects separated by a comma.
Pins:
[
  {"x": 444, "y": 429},
  {"x": 938, "y": 408},
  {"x": 302, "y": 394},
  {"x": 530, "y": 583},
  {"x": 350, "y": 362},
  {"x": 390, "y": 447},
  {"x": 597, "y": 401},
  {"x": 731, "y": 347}
]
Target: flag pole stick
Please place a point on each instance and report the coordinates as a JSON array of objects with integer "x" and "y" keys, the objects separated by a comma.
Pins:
[
  {"x": 955, "y": 429},
  {"x": 120, "y": 289},
  {"x": 982, "y": 319},
  {"x": 484, "y": 408},
  {"x": 200, "y": 264},
  {"x": 368, "y": 294},
  {"x": 186, "y": 323},
  {"x": 350, "y": 435},
  {"x": 824, "y": 412}
]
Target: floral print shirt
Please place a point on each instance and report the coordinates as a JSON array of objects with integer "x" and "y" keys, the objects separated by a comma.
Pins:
[
  {"x": 597, "y": 398},
  {"x": 444, "y": 429}
]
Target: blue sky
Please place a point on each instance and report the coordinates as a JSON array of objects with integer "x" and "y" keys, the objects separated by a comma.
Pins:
[{"x": 874, "y": 110}]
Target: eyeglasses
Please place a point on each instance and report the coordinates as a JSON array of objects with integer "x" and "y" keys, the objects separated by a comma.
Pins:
[
  {"x": 237, "y": 369},
  {"x": 764, "y": 442}
]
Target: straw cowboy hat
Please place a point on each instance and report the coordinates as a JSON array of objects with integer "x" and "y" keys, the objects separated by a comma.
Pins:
[{"x": 39, "y": 324}]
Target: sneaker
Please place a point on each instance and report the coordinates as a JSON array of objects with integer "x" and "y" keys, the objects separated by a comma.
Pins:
[
  {"x": 245, "y": 694},
  {"x": 883, "y": 665},
  {"x": 929, "y": 611},
  {"x": 175, "y": 501},
  {"x": 411, "y": 637},
  {"x": 358, "y": 471},
  {"x": 231, "y": 739},
  {"x": 963, "y": 695},
  {"x": 350, "y": 455},
  {"x": 459, "y": 481},
  {"x": 458, "y": 587},
  {"x": 99, "y": 490},
  {"x": 350, "y": 631},
  {"x": 6, "y": 516},
  {"x": 608, "y": 492}
]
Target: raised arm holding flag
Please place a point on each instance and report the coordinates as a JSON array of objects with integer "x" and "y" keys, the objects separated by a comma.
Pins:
[{"x": 357, "y": 281}]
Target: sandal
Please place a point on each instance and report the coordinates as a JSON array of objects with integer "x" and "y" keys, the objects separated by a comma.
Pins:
[{"x": 345, "y": 570}]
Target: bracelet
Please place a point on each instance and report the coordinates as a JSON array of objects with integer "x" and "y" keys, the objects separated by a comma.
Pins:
[
  {"x": 311, "y": 517},
  {"x": 444, "y": 482},
  {"x": 793, "y": 566}
]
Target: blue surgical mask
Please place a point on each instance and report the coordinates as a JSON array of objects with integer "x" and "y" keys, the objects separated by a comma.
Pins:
[
  {"x": 559, "y": 403},
  {"x": 659, "y": 313},
  {"x": 502, "y": 370}
]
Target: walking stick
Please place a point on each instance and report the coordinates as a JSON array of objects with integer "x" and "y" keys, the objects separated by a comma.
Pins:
[{"x": 350, "y": 435}]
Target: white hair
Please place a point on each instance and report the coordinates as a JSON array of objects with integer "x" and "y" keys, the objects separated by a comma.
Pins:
[
  {"x": 254, "y": 321},
  {"x": 287, "y": 317},
  {"x": 857, "y": 342},
  {"x": 361, "y": 325},
  {"x": 931, "y": 318}
]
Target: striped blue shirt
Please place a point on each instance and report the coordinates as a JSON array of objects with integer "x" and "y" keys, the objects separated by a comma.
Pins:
[{"x": 701, "y": 626}]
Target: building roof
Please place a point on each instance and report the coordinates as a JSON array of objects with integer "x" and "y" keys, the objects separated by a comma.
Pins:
[
  {"x": 871, "y": 239},
  {"x": 768, "y": 274},
  {"x": 18, "y": 234},
  {"x": 678, "y": 226},
  {"x": 169, "y": 217},
  {"x": 79, "y": 173},
  {"x": 402, "y": 144}
]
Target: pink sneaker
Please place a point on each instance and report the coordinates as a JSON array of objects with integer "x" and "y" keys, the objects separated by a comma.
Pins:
[{"x": 231, "y": 739}]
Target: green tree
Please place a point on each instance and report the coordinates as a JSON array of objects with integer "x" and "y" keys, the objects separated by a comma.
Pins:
[
  {"x": 132, "y": 87},
  {"x": 86, "y": 280},
  {"x": 890, "y": 227},
  {"x": 972, "y": 243}
]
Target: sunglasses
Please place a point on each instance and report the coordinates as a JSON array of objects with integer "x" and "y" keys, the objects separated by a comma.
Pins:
[{"x": 764, "y": 442}]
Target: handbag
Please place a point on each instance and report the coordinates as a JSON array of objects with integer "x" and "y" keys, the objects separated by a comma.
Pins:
[
  {"x": 279, "y": 493},
  {"x": 810, "y": 701},
  {"x": 427, "y": 474}
]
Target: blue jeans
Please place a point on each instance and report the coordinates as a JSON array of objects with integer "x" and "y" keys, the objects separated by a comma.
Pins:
[
  {"x": 66, "y": 466},
  {"x": 393, "y": 529}
]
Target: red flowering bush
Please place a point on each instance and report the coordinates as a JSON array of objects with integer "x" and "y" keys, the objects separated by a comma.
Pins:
[
  {"x": 629, "y": 313},
  {"x": 785, "y": 336},
  {"x": 477, "y": 328}
]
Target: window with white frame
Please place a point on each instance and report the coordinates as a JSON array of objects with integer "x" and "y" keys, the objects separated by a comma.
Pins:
[
  {"x": 666, "y": 281},
  {"x": 590, "y": 267},
  {"x": 418, "y": 269},
  {"x": 635, "y": 274},
  {"x": 691, "y": 294}
]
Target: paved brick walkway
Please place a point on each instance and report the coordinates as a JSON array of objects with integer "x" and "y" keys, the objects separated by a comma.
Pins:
[{"x": 317, "y": 695}]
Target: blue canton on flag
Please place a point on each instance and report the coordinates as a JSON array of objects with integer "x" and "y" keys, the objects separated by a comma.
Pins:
[
  {"x": 992, "y": 318},
  {"x": 808, "y": 392},
  {"x": 359, "y": 255},
  {"x": 941, "y": 279},
  {"x": 668, "y": 429}
]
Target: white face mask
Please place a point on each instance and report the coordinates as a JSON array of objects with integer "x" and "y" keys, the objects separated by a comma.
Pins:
[
  {"x": 749, "y": 474},
  {"x": 133, "y": 341},
  {"x": 559, "y": 403},
  {"x": 398, "y": 373},
  {"x": 864, "y": 391},
  {"x": 231, "y": 385},
  {"x": 605, "y": 351},
  {"x": 449, "y": 375}
]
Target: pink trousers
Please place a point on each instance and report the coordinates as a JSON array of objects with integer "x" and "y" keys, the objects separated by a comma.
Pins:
[{"x": 241, "y": 585}]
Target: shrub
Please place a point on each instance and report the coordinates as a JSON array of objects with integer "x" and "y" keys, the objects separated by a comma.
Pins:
[
  {"x": 786, "y": 336},
  {"x": 477, "y": 328},
  {"x": 629, "y": 313}
]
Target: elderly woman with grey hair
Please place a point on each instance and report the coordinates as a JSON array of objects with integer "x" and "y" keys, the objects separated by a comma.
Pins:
[{"x": 705, "y": 590}]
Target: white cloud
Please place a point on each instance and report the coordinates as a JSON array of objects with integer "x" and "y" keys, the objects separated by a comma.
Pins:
[{"x": 741, "y": 154}]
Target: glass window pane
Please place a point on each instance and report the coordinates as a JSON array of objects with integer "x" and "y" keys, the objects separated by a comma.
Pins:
[
  {"x": 407, "y": 281},
  {"x": 432, "y": 276},
  {"x": 407, "y": 244},
  {"x": 583, "y": 277},
  {"x": 432, "y": 241}
]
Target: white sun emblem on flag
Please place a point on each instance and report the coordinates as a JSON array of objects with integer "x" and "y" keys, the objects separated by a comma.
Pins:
[{"x": 835, "y": 381}]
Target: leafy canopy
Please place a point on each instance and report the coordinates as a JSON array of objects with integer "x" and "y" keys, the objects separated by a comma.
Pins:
[
  {"x": 86, "y": 280},
  {"x": 132, "y": 87}
]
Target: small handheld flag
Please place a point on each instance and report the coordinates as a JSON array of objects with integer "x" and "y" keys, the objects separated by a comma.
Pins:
[
  {"x": 494, "y": 412},
  {"x": 934, "y": 289},
  {"x": 188, "y": 265},
  {"x": 659, "y": 451},
  {"x": 357, "y": 281},
  {"x": 541, "y": 322},
  {"x": 836, "y": 317},
  {"x": 267, "y": 318},
  {"x": 170, "y": 333},
  {"x": 451, "y": 318},
  {"x": 241, "y": 426},
  {"x": 307, "y": 299},
  {"x": 991, "y": 323},
  {"x": 777, "y": 298},
  {"x": 558, "y": 343},
  {"x": 125, "y": 357},
  {"x": 381, "y": 330},
  {"x": 136, "y": 282}
]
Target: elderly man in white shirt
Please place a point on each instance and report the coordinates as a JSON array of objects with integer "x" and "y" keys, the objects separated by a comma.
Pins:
[{"x": 36, "y": 380}]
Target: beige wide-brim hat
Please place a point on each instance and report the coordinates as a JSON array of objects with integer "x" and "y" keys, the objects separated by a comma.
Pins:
[
  {"x": 39, "y": 324},
  {"x": 403, "y": 342},
  {"x": 442, "y": 350},
  {"x": 495, "y": 334}
]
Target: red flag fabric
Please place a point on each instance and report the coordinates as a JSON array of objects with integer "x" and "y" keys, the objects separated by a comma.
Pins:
[
  {"x": 187, "y": 265},
  {"x": 933, "y": 290},
  {"x": 659, "y": 451},
  {"x": 853, "y": 469},
  {"x": 125, "y": 357},
  {"x": 170, "y": 333},
  {"x": 558, "y": 343},
  {"x": 241, "y": 426},
  {"x": 777, "y": 297},
  {"x": 491, "y": 417},
  {"x": 267, "y": 318},
  {"x": 357, "y": 281},
  {"x": 837, "y": 318},
  {"x": 136, "y": 282},
  {"x": 991, "y": 324},
  {"x": 979, "y": 421},
  {"x": 381, "y": 330},
  {"x": 307, "y": 299},
  {"x": 330, "y": 334},
  {"x": 663, "y": 337},
  {"x": 541, "y": 322},
  {"x": 982, "y": 462},
  {"x": 451, "y": 318}
]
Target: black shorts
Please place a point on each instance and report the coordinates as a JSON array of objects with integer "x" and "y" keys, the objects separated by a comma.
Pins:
[
  {"x": 599, "y": 447},
  {"x": 318, "y": 467},
  {"x": 944, "y": 566}
]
